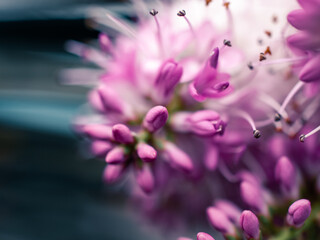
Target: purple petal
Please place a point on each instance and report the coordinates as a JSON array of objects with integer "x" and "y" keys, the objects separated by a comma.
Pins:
[
  {"x": 122, "y": 134},
  {"x": 285, "y": 173},
  {"x": 211, "y": 157},
  {"x": 304, "y": 41},
  {"x": 113, "y": 173},
  {"x": 250, "y": 224},
  {"x": 145, "y": 178},
  {"x": 178, "y": 158},
  {"x": 219, "y": 220},
  {"x": 116, "y": 155},
  {"x": 146, "y": 152},
  {"x": 98, "y": 131},
  {"x": 100, "y": 148},
  {"x": 252, "y": 195},
  {"x": 231, "y": 210},
  {"x": 311, "y": 70},
  {"x": 214, "y": 58},
  {"x": 204, "y": 236}
]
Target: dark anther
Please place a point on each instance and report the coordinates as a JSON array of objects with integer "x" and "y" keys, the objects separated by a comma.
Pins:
[
  {"x": 153, "y": 12},
  {"x": 302, "y": 138},
  {"x": 227, "y": 43},
  {"x": 268, "y": 33},
  {"x": 262, "y": 57},
  {"x": 277, "y": 117},
  {"x": 256, "y": 133},
  {"x": 267, "y": 51},
  {"x": 181, "y": 13},
  {"x": 250, "y": 66}
]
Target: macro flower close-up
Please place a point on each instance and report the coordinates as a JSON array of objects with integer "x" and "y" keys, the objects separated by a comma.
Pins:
[{"x": 204, "y": 115}]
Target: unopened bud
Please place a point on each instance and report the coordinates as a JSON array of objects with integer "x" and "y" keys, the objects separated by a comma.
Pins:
[
  {"x": 146, "y": 152},
  {"x": 298, "y": 212},
  {"x": 250, "y": 225},
  {"x": 122, "y": 134},
  {"x": 155, "y": 118}
]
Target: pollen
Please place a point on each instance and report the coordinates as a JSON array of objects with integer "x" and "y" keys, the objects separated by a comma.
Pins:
[
  {"x": 226, "y": 5},
  {"x": 208, "y": 2},
  {"x": 267, "y": 51},
  {"x": 268, "y": 33},
  {"x": 262, "y": 57}
]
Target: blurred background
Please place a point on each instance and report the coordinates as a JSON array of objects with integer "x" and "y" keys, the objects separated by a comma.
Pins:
[{"x": 48, "y": 190}]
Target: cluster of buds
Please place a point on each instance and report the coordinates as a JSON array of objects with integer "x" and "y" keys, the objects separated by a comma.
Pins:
[{"x": 181, "y": 108}]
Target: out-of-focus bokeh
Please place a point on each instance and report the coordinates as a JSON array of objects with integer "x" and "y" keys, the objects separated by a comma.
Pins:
[{"x": 48, "y": 189}]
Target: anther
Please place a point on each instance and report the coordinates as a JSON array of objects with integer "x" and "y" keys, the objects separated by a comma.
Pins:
[
  {"x": 302, "y": 138},
  {"x": 268, "y": 51},
  {"x": 260, "y": 41},
  {"x": 227, "y": 43},
  {"x": 181, "y": 13},
  {"x": 277, "y": 117},
  {"x": 226, "y": 4},
  {"x": 268, "y": 33},
  {"x": 274, "y": 19},
  {"x": 153, "y": 12},
  {"x": 208, "y": 2},
  {"x": 262, "y": 57},
  {"x": 250, "y": 66},
  {"x": 256, "y": 133}
]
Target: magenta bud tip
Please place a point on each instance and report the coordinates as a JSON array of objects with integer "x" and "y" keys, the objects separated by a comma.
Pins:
[
  {"x": 250, "y": 225},
  {"x": 298, "y": 212},
  {"x": 155, "y": 118},
  {"x": 122, "y": 134}
]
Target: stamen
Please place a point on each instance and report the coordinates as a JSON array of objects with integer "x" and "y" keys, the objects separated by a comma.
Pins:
[
  {"x": 256, "y": 133},
  {"x": 262, "y": 57},
  {"x": 268, "y": 51},
  {"x": 274, "y": 105},
  {"x": 304, "y": 136},
  {"x": 279, "y": 61},
  {"x": 208, "y": 2},
  {"x": 250, "y": 66},
  {"x": 226, "y": 4},
  {"x": 248, "y": 118},
  {"x": 226, "y": 173},
  {"x": 291, "y": 94},
  {"x": 268, "y": 33},
  {"x": 274, "y": 19},
  {"x": 183, "y": 13},
  {"x": 227, "y": 43},
  {"x": 154, "y": 13}
]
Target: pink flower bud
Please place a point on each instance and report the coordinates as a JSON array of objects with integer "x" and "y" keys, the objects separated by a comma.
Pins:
[
  {"x": 250, "y": 225},
  {"x": 145, "y": 178},
  {"x": 155, "y": 118},
  {"x": 285, "y": 173},
  {"x": 168, "y": 77},
  {"x": 122, "y": 134},
  {"x": 219, "y": 220},
  {"x": 111, "y": 100},
  {"x": 116, "y": 155},
  {"x": 298, "y": 212},
  {"x": 105, "y": 43},
  {"x": 146, "y": 152},
  {"x": 112, "y": 173},
  {"x": 303, "y": 40},
  {"x": 204, "y": 236},
  {"x": 214, "y": 58},
  {"x": 184, "y": 238},
  {"x": 252, "y": 195},
  {"x": 211, "y": 157},
  {"x": 178, "y": 158},
  {"x": 98, "y": 131},
  {"x": 100, "y": 148},
  {"x": 231, "y": 210}
]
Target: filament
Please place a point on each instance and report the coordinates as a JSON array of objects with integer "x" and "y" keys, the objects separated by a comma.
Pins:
[
  {"x": 248, "y": 118},
  {"x": 304, "y": 136},
  {"x": 279, "y": 61},
  {"x": 159, "y": 33},
  {"x": 291, "y": 94}
]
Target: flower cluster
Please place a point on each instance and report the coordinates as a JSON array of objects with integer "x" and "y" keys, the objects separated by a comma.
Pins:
[{"x": 205, "y": 112}]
